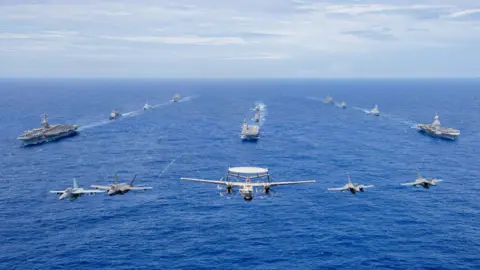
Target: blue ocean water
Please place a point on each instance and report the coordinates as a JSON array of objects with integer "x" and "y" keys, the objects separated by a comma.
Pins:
[{"x": 187, "y": 225}]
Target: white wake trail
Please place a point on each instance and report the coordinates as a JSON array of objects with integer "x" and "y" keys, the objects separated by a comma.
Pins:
[{"x": 168, "y": 166}]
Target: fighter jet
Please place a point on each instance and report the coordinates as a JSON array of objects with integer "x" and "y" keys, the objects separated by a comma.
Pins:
[
  {"x": 353, "y": 188},
  {"x": 75, "y": 192},
  {"x": 374, "y": 111},
  {"x": 121, "y": 188},
  {"x": 424, "y": 182}
]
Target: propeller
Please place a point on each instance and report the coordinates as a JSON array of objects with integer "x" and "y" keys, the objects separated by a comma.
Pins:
[
  {"x": 266, "y": 190},
  {"x": 229, "y": 195}
]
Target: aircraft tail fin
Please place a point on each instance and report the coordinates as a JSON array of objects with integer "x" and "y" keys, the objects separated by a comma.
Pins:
[
  {"x": 349, "y": 180},
  {"x": 116, "y": 178},
  {"x": 418, "y": 174},
  {"x": 131, "y": 183},
  {"x": 75, "y": 184}
]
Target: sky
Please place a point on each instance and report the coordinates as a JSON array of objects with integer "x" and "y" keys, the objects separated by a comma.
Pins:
[{"x": 240, "y": 38}]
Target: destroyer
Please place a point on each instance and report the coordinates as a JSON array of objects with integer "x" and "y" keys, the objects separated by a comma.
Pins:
[
  {"x": 249, "y": 132},
  {"x": 114, "y": 115},
  {"x": 176, "y": 98},
  {"x": 343, "y": 105},
  {"x": 435, "y": 129},
  {"x": 257, "y": 118},
  {"x": 147, "y": 106},
  {"x": 48, "y": 132}
]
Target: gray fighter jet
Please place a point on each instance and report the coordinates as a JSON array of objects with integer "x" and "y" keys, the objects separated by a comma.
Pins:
[
  {"x": 424, "y": 182},
  {"x": 353, "y": 188},
  {"x": 75, "y": 192},
  {"x": 121, "y": 188}
]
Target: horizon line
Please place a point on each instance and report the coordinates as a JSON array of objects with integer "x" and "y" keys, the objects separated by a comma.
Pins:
[{"x": 245, "y": 78}]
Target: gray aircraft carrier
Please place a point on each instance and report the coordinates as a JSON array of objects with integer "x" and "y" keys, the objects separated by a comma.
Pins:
[
  {"x": 47, "y": 132},
  {"x": 436, "y": 130},
  {"x": 249, "y": 132}
]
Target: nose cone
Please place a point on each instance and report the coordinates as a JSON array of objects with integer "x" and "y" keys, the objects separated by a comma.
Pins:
[
  {"x": 248, "y": 198},
  {"x": 63, "y": 196}
]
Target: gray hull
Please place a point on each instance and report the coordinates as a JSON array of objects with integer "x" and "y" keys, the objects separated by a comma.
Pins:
[
  {"x": 249, "y": 137},
  {"x": 441, "y": 135},
  {"x": 47, "y": 138}
]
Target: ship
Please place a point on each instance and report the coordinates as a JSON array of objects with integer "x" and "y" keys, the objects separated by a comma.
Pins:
[
  {"x": 48, "y": 132},
  {"x": 176, "y": 98},
  {"x": 147, "y": 106},
  {"x": 436, "y": 130},
  {"x": 249, "y": 132},
  {"x": 114, "y": 115},
  {"x": 257, "y": 118},
  {"x": 328, "y": 100},
  {"x": 374, "y": 111},
  {"x": 343, "y": 105}
]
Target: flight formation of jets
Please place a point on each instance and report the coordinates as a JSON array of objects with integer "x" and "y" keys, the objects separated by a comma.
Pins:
[
  {"x": 75, "y": 192},
  {"x": 419, "y": 182}
]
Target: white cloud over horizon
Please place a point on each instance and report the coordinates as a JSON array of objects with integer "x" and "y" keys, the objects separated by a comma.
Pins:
[{"x": 259, "y": 38}]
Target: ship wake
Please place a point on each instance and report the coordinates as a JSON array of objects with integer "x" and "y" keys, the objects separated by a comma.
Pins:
[{"x": 131, "y": 114}]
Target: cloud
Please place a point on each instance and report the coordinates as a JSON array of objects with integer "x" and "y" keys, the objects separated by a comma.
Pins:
[
  {"x": 365, "y": 9},
  {"x": 185, "y": 40},
  {"x": 215, "y": 33},
  {"x": 114, "y": 13},
  {"x": 14, "y": 36},
  {"x": 256, "y": 57},
  {"x": 464, "y": 13},
  {"x": 43, "y": 35},
  {"x": 374, "y": 34}
]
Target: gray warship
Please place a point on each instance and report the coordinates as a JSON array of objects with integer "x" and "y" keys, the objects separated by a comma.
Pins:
[
  {"x": 249, "y": 132},
  {"x": 48, "y": 132},
  {"x": 436, "y": 130},
  {"x": 176, "y": 98},
  {"x": 328, "y": 99},
  {"x": 114, "y": 115}
]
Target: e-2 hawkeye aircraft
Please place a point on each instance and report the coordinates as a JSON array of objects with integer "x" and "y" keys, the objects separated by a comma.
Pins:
[
  {"x": 248, "y": 174},
  {"x": 424, "y": 182},
  {"x": 353, "y": 188},
  {"x": 75, "y": 192}
]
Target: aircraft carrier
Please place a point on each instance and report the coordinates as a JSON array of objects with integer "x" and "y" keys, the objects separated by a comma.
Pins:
[
  {"x": 436, "y": 130},
  {"x": 249, "y": 132},
  {"x": 47, "y": 132}
]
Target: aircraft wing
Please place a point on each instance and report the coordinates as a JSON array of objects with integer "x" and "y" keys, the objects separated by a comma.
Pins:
[
  {"x": 88, "y": 191},
  {"x": 216, "y": 182},
  {"x": 57, "y": 191},
  {"x": 140, "y": 188},
  {"x": 273, "y": 184},
  {"x": 410, "y": 184},
  {"x": 100, "y": 187},
  {"x": 340, "y": 188},
  {"x": 369, "y": 186}
]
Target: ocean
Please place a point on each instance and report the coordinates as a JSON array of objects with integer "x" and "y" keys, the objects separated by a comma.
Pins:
[{"x": 188, "y": 225}]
